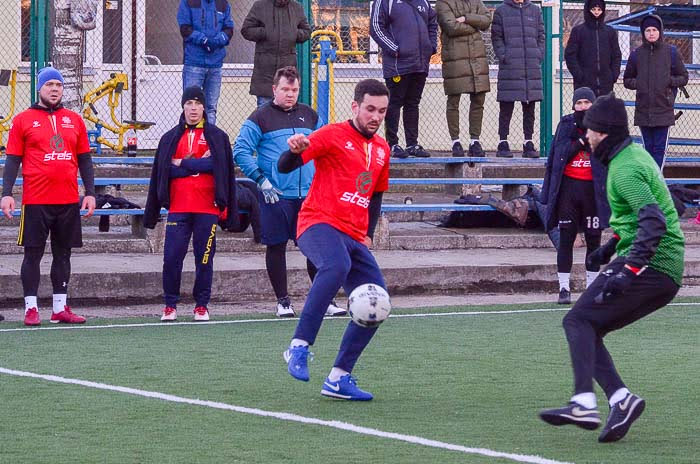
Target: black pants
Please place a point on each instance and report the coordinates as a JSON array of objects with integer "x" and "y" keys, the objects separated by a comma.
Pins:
[
  {"x": 407, "y": 94},
  {"x": 588, "y": 322},
  {"x": 506, "y": 113}
]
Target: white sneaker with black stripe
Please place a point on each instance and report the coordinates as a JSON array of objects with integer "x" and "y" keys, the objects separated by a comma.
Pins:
[{"x": 335, "y": 310}]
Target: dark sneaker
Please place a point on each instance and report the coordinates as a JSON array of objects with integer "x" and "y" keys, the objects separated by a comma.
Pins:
[
  {"x": 575, "y": 414},
  {"x": 457, "y": 150},
  {"x": 398, "y": 152},
  {"x": 503, "y": 150},
  {"x": 621, "y": 417},
  {"x": 564, "y": 296},
  {"x": 345, "y": 389},
  {"x": 297, "y": 359},
  {"x": 529, "y": 151},
  {"x": 475, "y": 150},
  {"x": 417, "y": 151}
]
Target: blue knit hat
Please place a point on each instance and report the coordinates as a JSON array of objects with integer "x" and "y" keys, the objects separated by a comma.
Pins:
[{"x": 47, "y": 74}]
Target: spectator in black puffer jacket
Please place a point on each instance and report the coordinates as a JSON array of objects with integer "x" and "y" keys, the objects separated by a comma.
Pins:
[
  {"x": 593, "y": 52},
  {"x": 517, "y": 34},
  {"x": 655, "y": 70}
]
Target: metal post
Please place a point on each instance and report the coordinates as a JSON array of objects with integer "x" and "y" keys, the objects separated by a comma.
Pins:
[
  {"x": 304, "y": 60},
  {"x": 547, "y": 74},
  {"x": 39, "y": 41},
  {"x": 323, "y": 88}
]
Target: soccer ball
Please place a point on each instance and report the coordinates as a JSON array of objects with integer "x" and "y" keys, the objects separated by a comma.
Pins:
[{"x": 369, "y": 305}]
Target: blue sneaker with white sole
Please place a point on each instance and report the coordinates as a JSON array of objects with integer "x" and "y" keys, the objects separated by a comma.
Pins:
[
  {"x": 345, "y": 389},
  {"x": 297, "y": 359}
]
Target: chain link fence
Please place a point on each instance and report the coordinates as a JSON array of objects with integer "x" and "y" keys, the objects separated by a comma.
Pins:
[{"x": 140, "y": 40}]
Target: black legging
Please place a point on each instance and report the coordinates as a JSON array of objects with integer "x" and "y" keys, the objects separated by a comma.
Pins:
[
  {"x": 31, "y": 270},
  {"x": 276, "y": 264},
  {"x": 565, "y": 252}
]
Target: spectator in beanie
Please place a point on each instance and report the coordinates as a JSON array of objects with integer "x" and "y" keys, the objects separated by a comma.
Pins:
[
  {"x": 593, "y": 52},
  {"x": 655, "y": 70}
]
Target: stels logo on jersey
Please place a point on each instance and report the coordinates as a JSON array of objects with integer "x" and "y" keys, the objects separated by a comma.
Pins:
[
  {"x": 58, "y": 152},
  {"x": 363, "y": 184}
]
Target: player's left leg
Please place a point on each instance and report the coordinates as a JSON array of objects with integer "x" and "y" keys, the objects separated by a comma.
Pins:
[
  {"x": 340, "y": 382},
  {"x": 592, "y": 237},
  {"x": 204, "y": 247},
  {"x": 66, "y": 233}
]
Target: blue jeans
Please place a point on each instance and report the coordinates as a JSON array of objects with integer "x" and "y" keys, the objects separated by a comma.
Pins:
[
  {"x": 262, "y": 100},
  {"x": 209, "y": 79},
  {"x": 341, "y": 261},
  {"x": 179, "y": 228},
  {"x": 655, "y": 142}
]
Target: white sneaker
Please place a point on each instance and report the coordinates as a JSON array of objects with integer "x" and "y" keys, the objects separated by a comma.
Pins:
[
  {"x": 201, "y": 313},
  {"x": 169, "y": 314},
  {"x": 285, "y": 308},
  {"x": 335, "y": 310}
]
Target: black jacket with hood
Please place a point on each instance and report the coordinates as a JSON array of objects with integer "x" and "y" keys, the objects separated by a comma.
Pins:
[
  {"x": 593, "y": 54},
  {"x": 223, "y": 172},
  {"x": 655, "y": 71}
]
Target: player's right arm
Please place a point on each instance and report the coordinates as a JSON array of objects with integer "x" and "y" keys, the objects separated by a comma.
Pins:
[
  {"x": 302, "y": 149},
  {"x": 14, "y": 150}
]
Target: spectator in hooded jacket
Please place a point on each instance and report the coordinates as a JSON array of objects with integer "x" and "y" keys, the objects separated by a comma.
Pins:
[
  {"x": 655, "y": 70},
  {"x": 406, "y": 31},
  {"x": 276, "y": 26},
  {"x": 206, "y": 28},
  {"x": 593, "y": 51},
  {"x": 518, "y": 41},
  {"x": 465, "y": 68},
  {"x": 574, "y": 192}
]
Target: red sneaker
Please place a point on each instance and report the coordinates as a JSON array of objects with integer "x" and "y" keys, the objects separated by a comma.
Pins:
[
  {"x": 169, "y": 314},
  {"x": 66, "y": 317},
  {"x": 201, "y": 313},
  {"x": 31, "y": 317}
]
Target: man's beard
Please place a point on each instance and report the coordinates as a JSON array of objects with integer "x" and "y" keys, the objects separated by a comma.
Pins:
[
  {"x": 47, "y": 104},
  {"x": 364, "y": 130}
]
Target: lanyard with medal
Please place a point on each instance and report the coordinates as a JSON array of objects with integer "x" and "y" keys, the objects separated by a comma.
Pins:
[{"x": 56, "y": 142}]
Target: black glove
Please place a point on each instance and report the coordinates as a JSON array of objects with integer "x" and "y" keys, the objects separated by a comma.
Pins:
[
  {"x": 616, "y": 284},
  {"x": 603, "y": 254}
]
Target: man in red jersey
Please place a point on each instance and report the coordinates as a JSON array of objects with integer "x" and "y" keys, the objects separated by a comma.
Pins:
[
  {"x": 192, "y": 177},
  {"x": 51, "y": 144},
  {"x": 335, "y": 227}
]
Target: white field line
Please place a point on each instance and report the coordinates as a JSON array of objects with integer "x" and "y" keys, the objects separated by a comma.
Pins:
[
  {"x": 290, "y": 319},
  {"x": 287, "y": 417}
]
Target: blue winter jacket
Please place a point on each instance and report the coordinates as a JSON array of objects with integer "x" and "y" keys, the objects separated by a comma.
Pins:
[
  {"x": 564, "y": 146},
  {"x": 266, "y": 132},
  {"x": 406, "y": 31},
  {"x": 206, "y": 28}
]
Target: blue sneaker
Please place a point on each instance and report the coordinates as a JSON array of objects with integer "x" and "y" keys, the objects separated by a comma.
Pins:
[
  {"x": 297, "y": 358},
  {"x": 345, "y": 389}
]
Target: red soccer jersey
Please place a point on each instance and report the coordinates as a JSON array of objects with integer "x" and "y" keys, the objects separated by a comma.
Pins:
[
  {"x": 192, "y": 194},
  {"x": 579, "y": 167},
  {"x": 349, "y": 169},
  {"x": 49, "y": 144}
]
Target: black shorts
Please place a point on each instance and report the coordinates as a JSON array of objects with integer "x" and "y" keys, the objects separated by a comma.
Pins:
[
  {"x": 576, "y": 206},
  {"x": 62, "y": 221}
]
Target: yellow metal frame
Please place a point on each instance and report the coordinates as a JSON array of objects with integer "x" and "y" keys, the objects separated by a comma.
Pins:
[
  {"x": 5, "y": 122},
  {"x": 326, "y": 35},
  {"x": 112, "y": 89}
]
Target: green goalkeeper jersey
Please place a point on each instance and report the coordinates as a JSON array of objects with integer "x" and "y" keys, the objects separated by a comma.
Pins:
[{"x": 634, "y": 180}]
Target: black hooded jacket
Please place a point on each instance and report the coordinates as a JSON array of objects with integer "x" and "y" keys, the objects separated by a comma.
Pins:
[
  {"x": 655, "y": 71},
  {"x": 593, "y": 54},
  {"x": 223, "y": 172}
]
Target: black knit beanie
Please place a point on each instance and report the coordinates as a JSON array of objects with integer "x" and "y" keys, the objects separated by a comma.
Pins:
[
  {"x": 607, "y": 115},
  {"x": 193, "y": 93},
  {"x": 582, "y": 93},
  {"x": 651, "y": 21}
]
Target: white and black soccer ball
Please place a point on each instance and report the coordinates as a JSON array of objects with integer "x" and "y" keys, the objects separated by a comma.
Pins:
[{"x": 369, "y": 305}]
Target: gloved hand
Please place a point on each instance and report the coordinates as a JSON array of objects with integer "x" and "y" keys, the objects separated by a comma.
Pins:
[
  {"x": 270, "y": 193},
  {"x": 603, "y": 254},
  {"x": 206, "y": 45},
  {"x": 617, "y": 284},
  {"x": 219, "y": 40}
]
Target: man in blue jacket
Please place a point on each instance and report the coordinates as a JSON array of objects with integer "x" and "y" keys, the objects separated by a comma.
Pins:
[
  {"x": 206, "y": 28},
  {"x": 265, "y": 132},
  {"x": 406, "y": 31}
]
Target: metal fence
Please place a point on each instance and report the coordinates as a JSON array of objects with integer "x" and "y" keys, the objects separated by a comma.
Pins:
[{"x": 140, "y": 39}]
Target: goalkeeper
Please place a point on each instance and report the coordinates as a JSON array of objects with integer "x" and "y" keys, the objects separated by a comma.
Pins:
[{"x": 645, "y": 276}]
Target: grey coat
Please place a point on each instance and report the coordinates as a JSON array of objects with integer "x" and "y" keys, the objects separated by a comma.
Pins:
[{"x": 517, "y": 34}]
